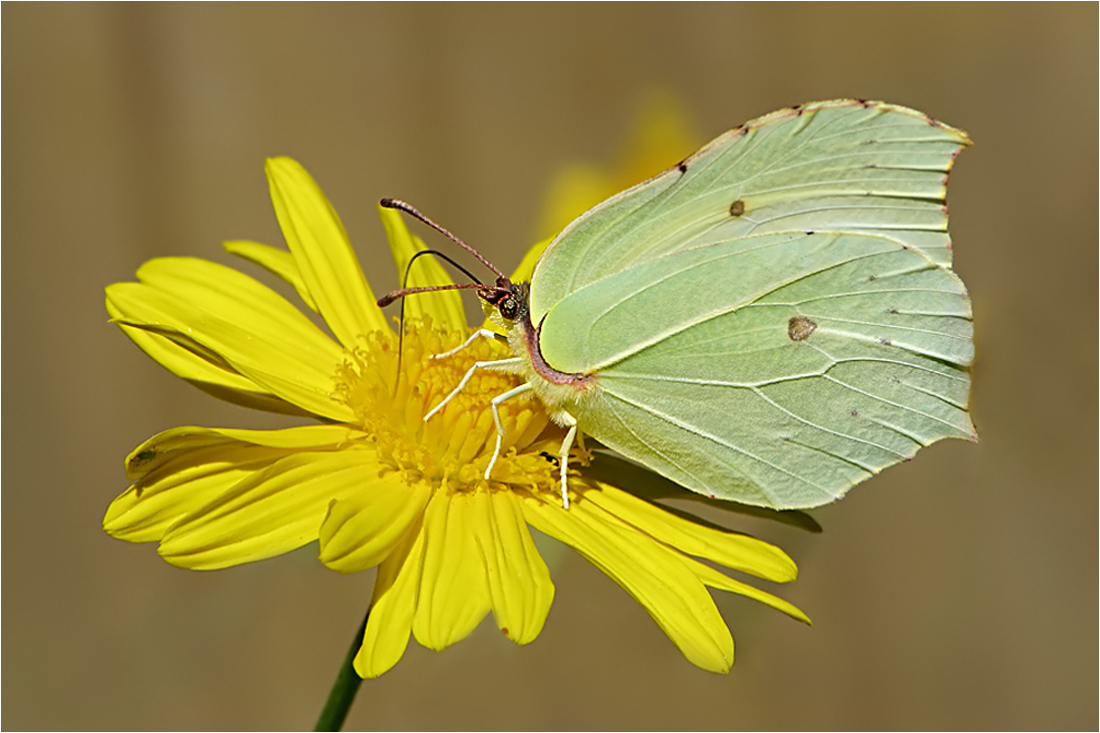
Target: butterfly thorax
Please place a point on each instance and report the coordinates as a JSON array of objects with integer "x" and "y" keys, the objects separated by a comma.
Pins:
[{"x": 507, "y": 306}]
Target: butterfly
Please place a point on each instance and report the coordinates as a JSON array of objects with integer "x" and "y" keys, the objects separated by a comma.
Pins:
[{"x": 771, "y": 321}]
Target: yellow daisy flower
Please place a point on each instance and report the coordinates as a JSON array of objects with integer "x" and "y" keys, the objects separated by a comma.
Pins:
[{"x": 372, "y": 481}]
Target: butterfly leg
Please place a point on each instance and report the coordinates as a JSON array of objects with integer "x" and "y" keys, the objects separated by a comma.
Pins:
[
  {"x": 495, "y": 404},
  {"x": 482, "y": 333},
  {"x": 584, "y": 449},
  {"x": 466, "y": 378},
  {"x": 570, "y": 435}
]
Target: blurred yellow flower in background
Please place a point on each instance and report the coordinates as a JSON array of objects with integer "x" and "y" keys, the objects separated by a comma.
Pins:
[
  {"x": 372, "y": 481},
  {"x": 661, "y": 135}
]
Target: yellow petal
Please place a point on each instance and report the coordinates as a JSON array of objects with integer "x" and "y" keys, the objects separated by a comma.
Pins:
[
  {"x": 175, "y": 444},
  {"x": 718, "y": 580},
  {"x": 651, "y": 573},
  {"x": 149, "y": 508},
  {"x": 270, "y": 512},
  {"x": 299, "y": 371},
  {"x": 361, "y": 530},
  {"x": 233, "y": 296},
  {"x": 444, "y": 306},
  {"x": 736, "y": 551},
  {"x": 519, "y": 580},
  {"x": 179, "y": 471},
  {"x": 526, "y": 266},
  {"x": 316, "y": 238},
  {"x": 278, "y": 262},
  {"x": 656, "y": 489},
  {"x": 216, "y": 377},
  {"x": 392, "y": 606},
  {"x": 454, "y": 591}
]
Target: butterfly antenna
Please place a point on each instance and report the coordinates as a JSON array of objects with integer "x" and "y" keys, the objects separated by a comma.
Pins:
[
  {"x": 397, "y": 294},
  {"x": 457, "y": 266},
  {"x": 400, "y": 342},
  {"x": 390, "y": 297},
  {"x": 411, "y": 211}
]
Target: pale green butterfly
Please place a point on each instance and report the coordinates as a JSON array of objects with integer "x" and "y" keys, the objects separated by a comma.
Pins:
[{"x": 771, "y": 321}]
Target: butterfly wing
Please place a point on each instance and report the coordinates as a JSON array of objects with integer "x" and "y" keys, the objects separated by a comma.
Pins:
[
  {"x": 839, "y": 166},
  {"x": 778, "y": 375},
  {"x": 781, "y": 360}
]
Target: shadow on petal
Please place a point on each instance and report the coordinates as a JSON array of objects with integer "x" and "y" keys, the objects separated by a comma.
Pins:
[{"x": 633, "y": 478}]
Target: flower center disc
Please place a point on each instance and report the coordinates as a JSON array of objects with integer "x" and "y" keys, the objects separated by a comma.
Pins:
[{"x": 456, "y": 443}]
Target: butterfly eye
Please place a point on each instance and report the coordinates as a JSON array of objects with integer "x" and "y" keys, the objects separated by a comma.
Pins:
[{"x": 508, "y": 307}]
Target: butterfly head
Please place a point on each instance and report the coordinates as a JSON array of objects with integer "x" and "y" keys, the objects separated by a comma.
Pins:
[{"x": 505, "y": 303}]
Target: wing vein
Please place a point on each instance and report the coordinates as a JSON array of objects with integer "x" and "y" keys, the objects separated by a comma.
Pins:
[{"x": 718, "y": 441}]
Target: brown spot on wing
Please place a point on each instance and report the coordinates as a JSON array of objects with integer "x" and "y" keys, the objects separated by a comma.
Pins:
[{"x": 799, "y": 328}]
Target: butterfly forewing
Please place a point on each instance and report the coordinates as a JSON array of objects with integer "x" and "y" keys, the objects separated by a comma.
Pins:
[{"x": 842, "y": 166}]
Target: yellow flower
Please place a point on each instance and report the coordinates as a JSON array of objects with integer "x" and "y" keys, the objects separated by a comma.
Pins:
[
  {"x": 373, "y": 482},
  {"x": 662, "y": 134}
]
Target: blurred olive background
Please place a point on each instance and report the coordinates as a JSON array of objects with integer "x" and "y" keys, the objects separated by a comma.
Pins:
[{"x": 956, "y": 591}]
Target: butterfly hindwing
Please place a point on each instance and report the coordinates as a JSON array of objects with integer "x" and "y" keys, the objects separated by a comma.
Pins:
[{"x": 780, "y": 391}]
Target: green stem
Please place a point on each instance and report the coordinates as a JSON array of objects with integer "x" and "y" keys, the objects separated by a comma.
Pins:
[{"x": 343, "y": 690}]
